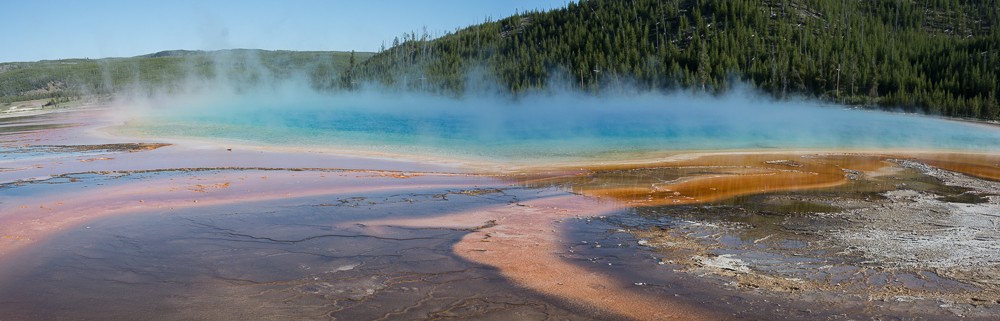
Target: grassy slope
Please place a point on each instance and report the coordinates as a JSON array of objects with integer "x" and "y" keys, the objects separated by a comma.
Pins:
[{"x": 22, "y": 81}]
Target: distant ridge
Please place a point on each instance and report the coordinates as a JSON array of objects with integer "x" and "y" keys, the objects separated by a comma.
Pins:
[
  {"x": 189, "y": 53},
  {"x": 173, "y": 53},
  {"x": 164, "y": 70}
]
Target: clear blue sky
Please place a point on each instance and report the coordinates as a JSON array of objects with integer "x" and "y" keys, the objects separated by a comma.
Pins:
[{"x": 41, "y": 29}]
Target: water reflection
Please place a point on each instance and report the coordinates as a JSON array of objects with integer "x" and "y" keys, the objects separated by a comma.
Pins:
[
  {"x": 317, "y": 256},
  {"x": 33, "y": 123},
  {"x": 301, "y": 258}
]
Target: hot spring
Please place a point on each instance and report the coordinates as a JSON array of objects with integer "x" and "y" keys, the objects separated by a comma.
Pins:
[
  {"x": 544, "y": 127},
  {"x": 810, "y": 211}
]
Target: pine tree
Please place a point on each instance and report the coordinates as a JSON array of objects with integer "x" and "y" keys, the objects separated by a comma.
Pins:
[{"x": 704, "y": 65}]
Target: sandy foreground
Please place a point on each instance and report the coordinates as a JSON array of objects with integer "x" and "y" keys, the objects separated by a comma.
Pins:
[{"x": 523, "y": 240}]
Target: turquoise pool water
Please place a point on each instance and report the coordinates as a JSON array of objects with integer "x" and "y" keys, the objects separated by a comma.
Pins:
[{"x": 547, "y": 126}]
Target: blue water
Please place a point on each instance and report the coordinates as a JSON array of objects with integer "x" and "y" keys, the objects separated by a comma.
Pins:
[{"x": 548, "y": 126}]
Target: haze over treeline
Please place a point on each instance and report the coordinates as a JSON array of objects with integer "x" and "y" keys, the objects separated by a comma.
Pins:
[
  {"x": 935, "y": 56},
  {"x": 938, "y": 56},
  {"x": 166, "y": 72}
]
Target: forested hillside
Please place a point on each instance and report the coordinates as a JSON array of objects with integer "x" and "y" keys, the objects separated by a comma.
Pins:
[
  {"x": 937, "y": 56},
  {"x": 165, "y": 71}
]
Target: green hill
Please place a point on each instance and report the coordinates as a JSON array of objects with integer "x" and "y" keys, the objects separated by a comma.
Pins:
[
  {"x": 166, "y": 70},
  {"x": 936, "y": 56}
]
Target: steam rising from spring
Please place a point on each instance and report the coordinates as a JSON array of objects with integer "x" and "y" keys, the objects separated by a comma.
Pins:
[{"x": 542, "y": 126}]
